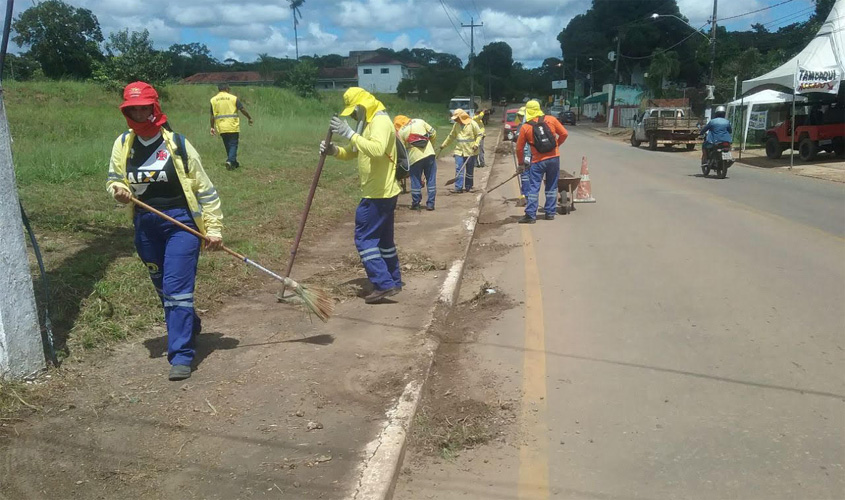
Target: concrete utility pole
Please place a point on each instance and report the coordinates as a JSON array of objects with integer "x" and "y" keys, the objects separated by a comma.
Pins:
[
  {"x": 615, "y": 80},
  {"x": 708, "y": 112},
  {"x": 472, "y": 27},
  {"x": 21, "y": 352}
]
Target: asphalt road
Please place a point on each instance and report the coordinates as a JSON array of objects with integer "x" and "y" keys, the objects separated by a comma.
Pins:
[{"x": 683, "y": 337}]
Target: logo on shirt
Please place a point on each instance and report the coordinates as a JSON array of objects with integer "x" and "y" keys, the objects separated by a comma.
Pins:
[{"x": 152, "y": 170}]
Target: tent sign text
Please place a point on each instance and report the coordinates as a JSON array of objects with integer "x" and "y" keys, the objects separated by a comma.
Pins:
[{"x": 817, "y": 80}]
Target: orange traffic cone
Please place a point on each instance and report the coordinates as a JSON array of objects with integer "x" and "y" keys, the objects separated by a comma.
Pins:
[{"x": 584, "y": 194}]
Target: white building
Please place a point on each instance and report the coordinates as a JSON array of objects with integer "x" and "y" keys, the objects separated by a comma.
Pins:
[{"x": 383, "y": 74}]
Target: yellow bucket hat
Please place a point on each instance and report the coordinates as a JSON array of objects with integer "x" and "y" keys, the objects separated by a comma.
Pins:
[
  {"x": 356, "y": 96},
  {"x": 532, "y": 110},
  {"x": 461, "y": 116},
  {"x": 400, "y": 121}
]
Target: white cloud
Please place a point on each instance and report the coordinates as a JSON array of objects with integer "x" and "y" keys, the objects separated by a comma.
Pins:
[
  {"x": 402, "y": 41},
  {"x": 245, "y": 28}
]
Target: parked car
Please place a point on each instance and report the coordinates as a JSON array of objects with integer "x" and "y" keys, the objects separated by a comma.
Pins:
[
  {"x": 666, "y": 126},
  {"x": 568, "y": 117},
  {"x": 827, "y": 134},
  {"x": 510, "y": 130},
  {"x": 555, "y": 111}
]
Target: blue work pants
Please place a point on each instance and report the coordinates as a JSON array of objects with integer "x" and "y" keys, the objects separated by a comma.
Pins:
[
  {"x": 428, "y": 167},
  {"x": 230, "y": 142},
  {"x": 464, "y": 168},
  {"x": 550, "y": 170},
  {"x": 170, "y": 254},
  {"x": 374, "y": 241},
  {"x": 523, "y": 177}
]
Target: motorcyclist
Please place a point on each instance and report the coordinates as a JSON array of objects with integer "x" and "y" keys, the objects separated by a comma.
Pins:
[{"x": 717, "y": 130}]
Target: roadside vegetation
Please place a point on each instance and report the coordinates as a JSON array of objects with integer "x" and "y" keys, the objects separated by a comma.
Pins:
[{"x": 100, "y": 293}]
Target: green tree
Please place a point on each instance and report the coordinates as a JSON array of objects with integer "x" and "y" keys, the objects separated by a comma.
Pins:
[
  {"x": 302, "y": 79},
  {"x": 265, "y": 65},
  {"x": 664, "y": 66},
  {"x": 187, "y": 59},
  {"x": 328, "y": 61},
  {"x": 20, "y": 67},
  {"x": 131, "y": 57},
  {"x": 63, "y": 39},
  {"x": 494, "y": 62}
]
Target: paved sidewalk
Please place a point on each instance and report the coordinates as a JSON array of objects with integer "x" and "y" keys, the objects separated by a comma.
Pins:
[{"x": 279, "y": 406}]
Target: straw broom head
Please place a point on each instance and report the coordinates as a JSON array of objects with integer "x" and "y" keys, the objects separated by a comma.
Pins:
[{"x": 316, "y": 301}]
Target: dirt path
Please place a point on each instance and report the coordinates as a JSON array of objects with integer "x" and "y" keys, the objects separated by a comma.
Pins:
[{"x": 278, "y": 407}]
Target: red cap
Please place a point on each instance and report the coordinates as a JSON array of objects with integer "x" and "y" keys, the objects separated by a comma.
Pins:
[{"x": 139, "y": 94}]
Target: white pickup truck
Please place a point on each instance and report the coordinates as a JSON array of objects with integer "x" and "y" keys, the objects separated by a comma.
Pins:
[{"x": 666, "y": 126}]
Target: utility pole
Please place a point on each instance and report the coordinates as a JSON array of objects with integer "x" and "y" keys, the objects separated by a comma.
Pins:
[
  {"x": 615, "y": 80},
  {"x": 472, "y": 27},
  {"x": 707, "y": 112}
]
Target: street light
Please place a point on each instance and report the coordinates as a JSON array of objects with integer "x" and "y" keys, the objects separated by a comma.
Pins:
[
  {"x": 655, "y": 16},
  {"x": 711, "y": 39},
  {"x": 591, "y": 76}
]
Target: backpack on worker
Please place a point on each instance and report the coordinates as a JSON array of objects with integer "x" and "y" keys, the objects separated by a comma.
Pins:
[
  {"x": 403, "y": 165},
  {"x": 544, "y": 139}
]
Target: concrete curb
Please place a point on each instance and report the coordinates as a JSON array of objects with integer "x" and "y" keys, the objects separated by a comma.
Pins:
[{"x": 379, "y": 472}]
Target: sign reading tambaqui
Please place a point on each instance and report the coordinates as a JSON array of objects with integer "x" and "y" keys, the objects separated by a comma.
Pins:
[{"x": 817, "y": 80}]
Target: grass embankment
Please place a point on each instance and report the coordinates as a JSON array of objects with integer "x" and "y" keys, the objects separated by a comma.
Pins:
[{"x": 63, "y": 134}]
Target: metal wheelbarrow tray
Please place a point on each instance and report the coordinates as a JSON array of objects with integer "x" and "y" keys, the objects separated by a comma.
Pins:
[{"x": 566, "y": 186}]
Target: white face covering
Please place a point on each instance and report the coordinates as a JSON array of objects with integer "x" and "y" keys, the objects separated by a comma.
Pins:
[{"x": 359, "y": 114}]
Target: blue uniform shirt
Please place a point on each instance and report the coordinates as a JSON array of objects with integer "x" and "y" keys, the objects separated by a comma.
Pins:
[{"x": 717, "y": 130}]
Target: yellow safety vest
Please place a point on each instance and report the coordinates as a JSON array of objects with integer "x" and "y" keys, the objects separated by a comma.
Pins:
[{"x": 225, "y": 110}]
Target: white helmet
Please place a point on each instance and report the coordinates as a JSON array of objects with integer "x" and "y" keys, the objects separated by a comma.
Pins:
[{"x": 720, "y": 112}]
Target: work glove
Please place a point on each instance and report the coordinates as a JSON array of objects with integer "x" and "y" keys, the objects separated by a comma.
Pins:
[
  {"x": 340, "y": 127},
  {"x": 328, "y": 149},
  {"x": 520, "y": 169}
]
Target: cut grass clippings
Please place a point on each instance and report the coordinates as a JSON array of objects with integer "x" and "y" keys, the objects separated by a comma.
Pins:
[
  {"x": 100, "y": 292},
  {"x": 447, "y": 429}
]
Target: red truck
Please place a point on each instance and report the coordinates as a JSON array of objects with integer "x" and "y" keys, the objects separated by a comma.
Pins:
[{"x": 812, "y": 135}]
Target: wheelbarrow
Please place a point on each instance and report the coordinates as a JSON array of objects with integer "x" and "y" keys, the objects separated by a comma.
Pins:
[{"x": 566, "y": 186}]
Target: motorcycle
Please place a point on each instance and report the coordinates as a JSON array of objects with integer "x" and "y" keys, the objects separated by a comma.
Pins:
[{"x": 719, "y": 159}]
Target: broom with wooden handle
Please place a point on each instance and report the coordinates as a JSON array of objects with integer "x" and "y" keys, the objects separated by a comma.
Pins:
[
  {"x": 316, "y": 302},
  {"x": 314, "y": 182}
]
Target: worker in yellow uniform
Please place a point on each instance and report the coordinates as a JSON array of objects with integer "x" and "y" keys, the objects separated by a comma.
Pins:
[
  {"x": 467, "y": 135},
  {"x": 479, "y": 119},
  {"x": 417, "y": 137},
  {"x": 225, "y": 121},
  {"x": 373, "y": 143}
]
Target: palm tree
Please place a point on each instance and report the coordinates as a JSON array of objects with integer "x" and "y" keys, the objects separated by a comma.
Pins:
[
  {"x": 664, "y": 66},
  {"x": 294, "y": 8}
]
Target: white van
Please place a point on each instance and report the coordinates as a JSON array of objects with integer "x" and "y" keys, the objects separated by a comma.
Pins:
[{"x": 464, "y": 103}]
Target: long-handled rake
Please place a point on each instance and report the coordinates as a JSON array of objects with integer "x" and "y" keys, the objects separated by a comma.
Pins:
[{"x": 316, "y": 302}]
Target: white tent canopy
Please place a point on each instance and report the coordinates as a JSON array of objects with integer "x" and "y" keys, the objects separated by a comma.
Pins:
[
  {"x": 826, "y": 50},
  {"x": 756, "y": 99},
  {"x": 767, "y": 96}
]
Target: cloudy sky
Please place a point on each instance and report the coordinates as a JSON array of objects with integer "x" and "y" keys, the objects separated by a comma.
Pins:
[{"x": 241, "y": 29}]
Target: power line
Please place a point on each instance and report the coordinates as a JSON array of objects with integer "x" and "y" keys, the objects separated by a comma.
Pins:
[
  {"x": 668, "y": 48},
  {"x": 453, "y": 24},
  {"x": 754, "y": 11},
  {"x": 794, "y": 15}
]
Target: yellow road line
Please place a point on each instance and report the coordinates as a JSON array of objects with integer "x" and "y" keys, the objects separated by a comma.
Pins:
[{"x": 534, "y": 452}]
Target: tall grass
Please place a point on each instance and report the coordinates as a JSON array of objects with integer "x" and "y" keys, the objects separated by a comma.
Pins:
[{"x": 63, "y": 133}]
